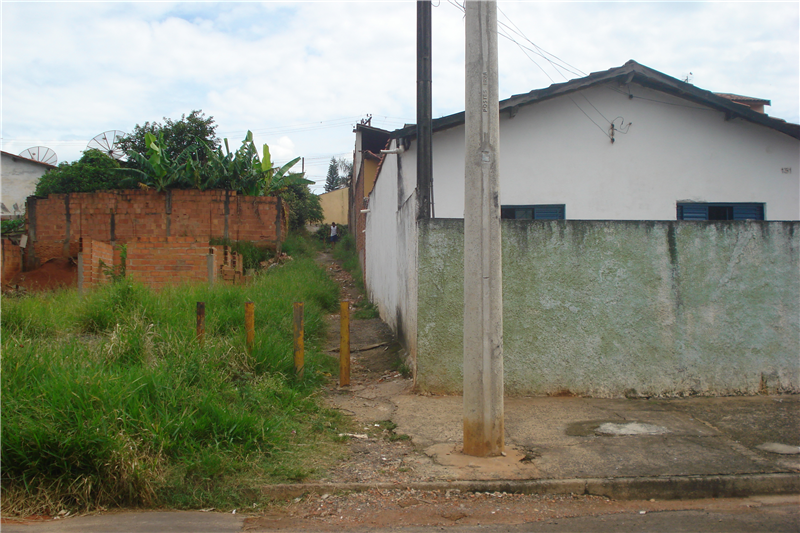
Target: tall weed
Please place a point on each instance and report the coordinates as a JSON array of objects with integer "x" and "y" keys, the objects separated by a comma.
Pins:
[{"x": 108, "y": 399}]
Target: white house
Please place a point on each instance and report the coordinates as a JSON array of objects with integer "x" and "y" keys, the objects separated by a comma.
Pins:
[
  {"x": 627, "y": 144},
  {"x": 18, "y": 177}
]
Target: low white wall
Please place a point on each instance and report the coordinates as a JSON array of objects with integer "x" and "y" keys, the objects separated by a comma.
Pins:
[
  {"x": 391, "y": 243},
  {"x": 674, "y": 150}
]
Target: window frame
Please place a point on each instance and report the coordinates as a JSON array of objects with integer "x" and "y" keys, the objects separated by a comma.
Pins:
[
  {"x": 561, "y": 211},
  {"x": 699, "y": 211}
]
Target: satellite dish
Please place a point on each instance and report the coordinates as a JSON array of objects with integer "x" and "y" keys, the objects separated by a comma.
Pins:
[
  {"x": 107, "y": 142},
  {"x": 42, "y": 154}
]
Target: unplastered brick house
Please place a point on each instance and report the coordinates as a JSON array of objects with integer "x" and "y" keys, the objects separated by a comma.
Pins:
[
  {"x": 168, "y": 235},
  {"x": 650, "y": 240}
]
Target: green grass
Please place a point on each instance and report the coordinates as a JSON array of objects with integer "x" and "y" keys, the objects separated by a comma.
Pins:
[
  {"x": 109, "y": 400},
  {"x": 345, "y": 252}
]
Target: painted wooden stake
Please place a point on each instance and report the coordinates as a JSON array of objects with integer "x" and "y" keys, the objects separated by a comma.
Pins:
[
  {"x": 299, "y": 342},
  {"x": 201, "y": 322},
  {"x": 344, "y": 345},
  {"x": 249, "y": 324}
]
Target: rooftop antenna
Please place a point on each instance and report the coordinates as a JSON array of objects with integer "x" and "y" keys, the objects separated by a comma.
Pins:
[
  {"x": 108, "y": 143},
  {"x": 42, "y": 154}
]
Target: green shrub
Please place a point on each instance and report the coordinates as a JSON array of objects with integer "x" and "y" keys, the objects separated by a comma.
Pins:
[
  {"x": 94, "y": 171},
  {"x": 14, "y": 225}
]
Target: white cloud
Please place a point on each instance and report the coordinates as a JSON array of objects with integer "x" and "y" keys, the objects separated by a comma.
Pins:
[{"x": 300, "y": 75}]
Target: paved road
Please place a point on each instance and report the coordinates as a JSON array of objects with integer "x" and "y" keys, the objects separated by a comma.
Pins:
[
  {"x": 781, "y": 519},
  {"x": 780, "y": 515}
]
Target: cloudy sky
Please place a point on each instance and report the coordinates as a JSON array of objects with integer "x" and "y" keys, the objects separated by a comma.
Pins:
[{"x": 300, "y": 75}]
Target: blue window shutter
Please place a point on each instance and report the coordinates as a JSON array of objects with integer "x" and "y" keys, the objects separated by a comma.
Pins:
[
  {"x": 549, "y": 212},
  {"x": 692, "y": 211},
  {"x": 748, "y": 212},
  {"x": 521, "y": 213}
]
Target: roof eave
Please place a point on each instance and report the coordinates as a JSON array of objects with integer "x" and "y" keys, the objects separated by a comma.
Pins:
[{"x": 629, "y": 72}]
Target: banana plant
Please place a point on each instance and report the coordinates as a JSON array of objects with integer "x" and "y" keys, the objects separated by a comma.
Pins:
[
  {"x": 156, "y": 170},
  {"x": 246, "y": 173}
]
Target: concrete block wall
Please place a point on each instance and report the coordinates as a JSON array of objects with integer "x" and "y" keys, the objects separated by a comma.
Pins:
[
  {"x": 11, "y": 260},
  {"x": 623, "y": 308},
  {"x": 58, "y": 222}
]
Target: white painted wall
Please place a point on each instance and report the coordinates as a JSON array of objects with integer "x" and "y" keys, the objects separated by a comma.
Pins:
[
  {"x": 391, "y": 243},
  {"x": 18, "y": 177},
  {"x": 675, "y": 150}
]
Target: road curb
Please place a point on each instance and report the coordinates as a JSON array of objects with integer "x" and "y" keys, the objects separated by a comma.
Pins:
[{"x": 638, "y": 488}]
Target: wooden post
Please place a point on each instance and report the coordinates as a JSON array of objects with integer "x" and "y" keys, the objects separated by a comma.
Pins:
[
  {"x": 344, "y": 345},
  {"x": 299, "y": 342},
  {"x": 201, "y": 322},
  {"x": 249, "y": 324}
]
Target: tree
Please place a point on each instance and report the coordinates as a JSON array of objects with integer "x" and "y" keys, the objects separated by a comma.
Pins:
[
  {"x": 332, "y": 179},
  {"x": 304, "y": 206},
  {"x": 94, "y": 171},
  {"x": 339, "y": 171},
  {"x": 345, "y": 172},
  {"x": 194, "y": 130}
]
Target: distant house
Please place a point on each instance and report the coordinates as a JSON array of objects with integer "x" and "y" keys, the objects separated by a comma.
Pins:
[
  {"x": 629, "y": 144},
  {"x": 335, "y": 206},
  {"x": 18, "y": 177}
]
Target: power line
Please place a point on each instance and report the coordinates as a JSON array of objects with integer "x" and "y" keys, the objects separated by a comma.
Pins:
[{"x": 558, "y": 68}]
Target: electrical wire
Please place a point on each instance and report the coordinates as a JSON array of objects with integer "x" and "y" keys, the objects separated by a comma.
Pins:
[
  {"x": 558, "y": 68},
  {"x": 572, "y": 69},
  {"x": 630, "y": 95}
]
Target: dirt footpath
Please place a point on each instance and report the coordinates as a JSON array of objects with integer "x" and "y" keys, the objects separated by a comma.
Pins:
[{"x": 378, "y": 454}]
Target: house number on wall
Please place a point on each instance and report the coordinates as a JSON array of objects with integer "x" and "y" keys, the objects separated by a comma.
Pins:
[{"x": 786, "y": 170}]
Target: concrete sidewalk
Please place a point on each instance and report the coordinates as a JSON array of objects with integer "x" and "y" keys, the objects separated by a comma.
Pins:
[
  {"x": 569, "y": 438},
  {"x": 620, "y": 448}
]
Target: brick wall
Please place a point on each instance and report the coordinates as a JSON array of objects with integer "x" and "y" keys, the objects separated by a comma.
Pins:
[
  {"x": 358, "y": 220},
  {"x": 157, "y": 262},
  {"x": 11, "y": 260},
  {"x": 57, "y": 223},
  {"x": 228, "y": 266},
  {"x": 93, "y": 258}
]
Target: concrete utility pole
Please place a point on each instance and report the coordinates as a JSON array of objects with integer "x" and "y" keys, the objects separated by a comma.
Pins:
[
  {"x": 424, "y": 111},
  {"x": 483, "y": 285}
]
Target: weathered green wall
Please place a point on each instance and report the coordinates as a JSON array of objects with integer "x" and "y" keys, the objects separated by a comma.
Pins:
[{"x": 611, "y": 308}]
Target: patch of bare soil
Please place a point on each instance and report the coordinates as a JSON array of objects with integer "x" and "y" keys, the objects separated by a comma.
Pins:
[
  {"x": 377, "y": 453},
  {"x": 455, "y": 509},
  {"x": 54, "y": 274}
]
